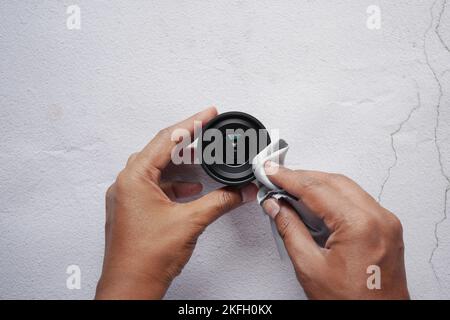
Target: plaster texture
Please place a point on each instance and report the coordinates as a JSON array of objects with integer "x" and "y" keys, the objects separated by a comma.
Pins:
[{"x": 74, "y": 104}]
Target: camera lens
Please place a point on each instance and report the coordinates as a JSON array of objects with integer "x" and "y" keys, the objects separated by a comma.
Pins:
[{"x": 228, "y": 144}]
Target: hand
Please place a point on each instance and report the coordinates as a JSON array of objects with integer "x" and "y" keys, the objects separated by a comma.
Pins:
[
  {"x": 149, "y": 237},
  {"x": 362, "y": 234}
]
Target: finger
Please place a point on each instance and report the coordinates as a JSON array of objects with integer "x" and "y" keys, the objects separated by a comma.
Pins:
[
  {"x": 211, "y": 206},
  {"x": 181, "y": 189},
  {"x": 157, "y": 153},
  {"x": 298, "y": 241},
  {"x": 313, "y": 189}
]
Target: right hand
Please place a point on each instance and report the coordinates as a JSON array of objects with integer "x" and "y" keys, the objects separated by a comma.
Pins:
[{"x": 362, "y": 234}]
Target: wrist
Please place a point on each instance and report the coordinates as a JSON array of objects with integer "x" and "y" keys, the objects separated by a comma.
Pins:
[{"x": 120, "y": 286}]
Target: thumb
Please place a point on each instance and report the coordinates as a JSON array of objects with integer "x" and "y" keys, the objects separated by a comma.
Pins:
[
  {"x": 216, "y": 203},
  {"x": 299, "y": 243}
]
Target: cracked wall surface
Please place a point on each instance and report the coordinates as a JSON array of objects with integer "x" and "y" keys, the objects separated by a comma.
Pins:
[
  {"x": 437, "y": 74},
  {"x": 371, "y": 104}
]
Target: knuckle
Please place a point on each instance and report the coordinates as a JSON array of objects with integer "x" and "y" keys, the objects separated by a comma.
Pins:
[
  {"x": 283, "y": 224},
  {"x": 164, "y": 133},
  {"x": 110, "y": 199},
  {"x": 153, "y": 173},
  {"x": 369, "y": 223},
  {"x": 110, "y": 192},
  {"x": 132, "y": 157},
  {"x": 123, "y": 181},
  {"x": 395, "y": 233},
  {"x": 310, "y": 185},
  {"x": 225, "y": 201},
  {"x": 338, "y": 178},
  {"x": 194, "y": 215},
  {"x": 121, "y": 177},
  {"x": 197, "y": 222},
  {"x": 395, "y": 225}
]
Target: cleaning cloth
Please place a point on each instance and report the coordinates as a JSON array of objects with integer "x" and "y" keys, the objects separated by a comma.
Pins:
[{"x": 276, "y": 152}]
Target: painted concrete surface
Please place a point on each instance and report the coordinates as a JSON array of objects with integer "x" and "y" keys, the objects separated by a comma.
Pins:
[{"x": 372, "y": 104}]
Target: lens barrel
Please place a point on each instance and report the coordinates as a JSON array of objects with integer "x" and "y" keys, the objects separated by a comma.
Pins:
[{"x": 228, "y": 144}]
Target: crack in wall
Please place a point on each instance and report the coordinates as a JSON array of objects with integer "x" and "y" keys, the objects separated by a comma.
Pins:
[
  {"x": 437, "y": 124},
  {"x": 392, "y": 134},
  {"x": 438, "y": 26}
]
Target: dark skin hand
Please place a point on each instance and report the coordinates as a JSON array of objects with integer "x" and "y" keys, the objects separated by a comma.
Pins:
[
  {"x": 148, "y": 236},
  {"x": 362, "y": 234}
]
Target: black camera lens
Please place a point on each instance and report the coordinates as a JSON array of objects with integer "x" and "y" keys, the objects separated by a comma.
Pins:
[{"x": 228, "y": 144}]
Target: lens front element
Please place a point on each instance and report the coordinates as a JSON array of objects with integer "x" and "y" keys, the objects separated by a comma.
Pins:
[{"x": 229, "y": 143}]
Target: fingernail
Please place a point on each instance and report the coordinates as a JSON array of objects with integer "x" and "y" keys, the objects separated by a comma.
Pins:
[
  {"x": 270, "y": 167},
  {"x": 271, "y": 207},
  {"x": 248, "y": 192}
]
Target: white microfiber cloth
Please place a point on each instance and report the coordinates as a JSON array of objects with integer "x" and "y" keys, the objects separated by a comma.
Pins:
[{"x": 276, "y": 152}]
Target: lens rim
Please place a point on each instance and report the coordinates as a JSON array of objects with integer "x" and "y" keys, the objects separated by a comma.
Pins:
[{"x": 242, "y": 117}]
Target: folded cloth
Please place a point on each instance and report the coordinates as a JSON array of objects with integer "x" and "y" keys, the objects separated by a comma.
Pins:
[{"x": 276, "y": 152}]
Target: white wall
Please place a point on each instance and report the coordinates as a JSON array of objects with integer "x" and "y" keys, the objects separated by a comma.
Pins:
[{"x": 372, "y": 104}]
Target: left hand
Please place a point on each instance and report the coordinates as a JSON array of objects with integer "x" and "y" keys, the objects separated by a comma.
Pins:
[{"x": 149, "y": 237}]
